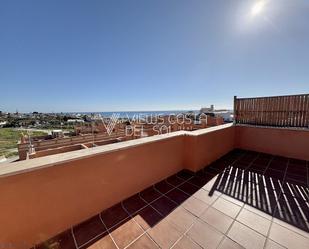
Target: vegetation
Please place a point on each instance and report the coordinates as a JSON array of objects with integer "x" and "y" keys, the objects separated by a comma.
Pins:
[{"x": 9, "y": 138}]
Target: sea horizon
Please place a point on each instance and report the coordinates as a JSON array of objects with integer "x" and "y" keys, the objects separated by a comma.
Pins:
[{"x": 130, "y": 114}]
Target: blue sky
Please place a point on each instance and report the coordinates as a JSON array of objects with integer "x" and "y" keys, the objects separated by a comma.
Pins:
[{"x": 111, "y": 55}]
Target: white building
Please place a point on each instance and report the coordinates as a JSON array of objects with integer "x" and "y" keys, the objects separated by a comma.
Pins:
[
  {"x": 74, "y": 121},
  {"x": 226, "y": 115}
]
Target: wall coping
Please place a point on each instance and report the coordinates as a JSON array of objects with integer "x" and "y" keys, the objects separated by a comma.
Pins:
[
  {"x": 274, "y": 127},
  {"x": 15, "y": 168}
]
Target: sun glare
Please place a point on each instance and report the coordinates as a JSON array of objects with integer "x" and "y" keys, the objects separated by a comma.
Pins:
[{"x": 258, "y": 7}]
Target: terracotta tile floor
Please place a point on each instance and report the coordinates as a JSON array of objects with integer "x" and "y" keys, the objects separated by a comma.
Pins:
[{"x": 243, "y": 200}]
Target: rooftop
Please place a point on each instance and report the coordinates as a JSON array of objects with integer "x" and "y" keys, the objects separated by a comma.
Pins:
[
  {"x": 244, "y": 199},
  {"x": 241, "y": 185}
]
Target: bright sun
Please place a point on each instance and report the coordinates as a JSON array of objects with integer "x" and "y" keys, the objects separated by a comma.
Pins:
[{"x": 258, "y": 7}]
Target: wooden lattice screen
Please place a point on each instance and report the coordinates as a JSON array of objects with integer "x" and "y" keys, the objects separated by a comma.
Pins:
[{"x": 280, "y": 111}]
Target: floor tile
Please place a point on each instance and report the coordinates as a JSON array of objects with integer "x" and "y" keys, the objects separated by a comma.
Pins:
[
  {"x": 205, "y": 176},
  {"x": 212, "y": 170},
  {"x": 188, "y": 188},
  {"x": 200, "y": 172},
  {"x": 185, "y": 174},
  {"x": 150, "y": 194},
  {"x": 299, "y": 192},
  {"x": 287, "y": 238},
  {"x": 175, "y": 180},
  {"x": 241, "y": 165},
  {"x": 105, "y": 242},
  {"x": 88, "y": 230},
  {"x": 273, "y": 245},
  {"x": 177, "y": 196},
  {"x": 277, "y": 166},
  {"x": 133, "y": 204},
  {"x": 144, "y": 242},
  {"x": 198, "y": 181},
  {"x": 231, "y": 199},
  {"x": 195, "y": 206},
  {"x": 208, "y": 186},
  {"x": 246, "y": 237},
  {"x": 203, "y": 195},
  {"x": 163, "y": 187},
  {"x": 218, "y": 220},
  {"x": 257, "y": 211},
  {"x": 204, "y": 235},
  {"x": 296, "y": 179},
  {"x": 297, "y": 162},
  {"x": 257, "y": 168},
  {"x": 297, "y": 170},
  {"x": 261, "y": 161},
  {"x": 276, "y": 174},
  {"x": 164, "y": 205},
  {"x": 226, "y": 207},
  {"x": 181, "y": 218},
  {"x": 229, "y": 244},
  {"x": 124, "y": 233},
  {"x": 165, "y": 234},
  {"x": 254, "y": 221},
  {"x": 147, "y": 217},
  {"x": 290, "y": 227},
  {"x": 61, "y": 241},
  {"x": 186, "y": 243},
  {"x": 114, "y": 215},
  {"x": 289, "y": 211}
]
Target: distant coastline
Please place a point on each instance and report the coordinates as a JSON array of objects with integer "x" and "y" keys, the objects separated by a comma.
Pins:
[{"x": 130, "y": 114}]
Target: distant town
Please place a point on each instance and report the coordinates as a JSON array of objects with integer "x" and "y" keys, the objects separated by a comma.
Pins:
[{"x": 25, "y": 136}]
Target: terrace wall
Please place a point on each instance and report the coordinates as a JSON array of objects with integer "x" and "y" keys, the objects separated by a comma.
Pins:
[
  {"x": 285, "y": 142},
  {"x": 60, "y": 142},
  {"x": 203, "y": 147},
  {"x": 54, "y": 151},
  {"x": 38, "y": 204},
  {"x": 44, "y": 196}
]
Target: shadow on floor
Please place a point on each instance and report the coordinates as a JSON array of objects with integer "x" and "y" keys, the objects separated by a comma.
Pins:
[{"x": 277, "y": 186}]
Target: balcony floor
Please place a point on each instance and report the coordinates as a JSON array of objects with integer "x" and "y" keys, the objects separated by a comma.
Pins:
[{"x": 244, "y": 199}]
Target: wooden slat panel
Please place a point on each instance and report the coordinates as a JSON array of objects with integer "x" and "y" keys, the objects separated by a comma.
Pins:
[
  {"x": 272, "y": 112},
  {"x": 290, "y": 109},
  {"x": 286, "y": 111},
  {"x": 306, "y": 112},
  {"x": 280, "y": 111},
  {"x": 302, "y": 106},
  {"x": 300, "y": 111}
]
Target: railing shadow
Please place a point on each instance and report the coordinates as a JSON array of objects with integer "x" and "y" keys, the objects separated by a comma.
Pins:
[{"x": 274, "y": 187}]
